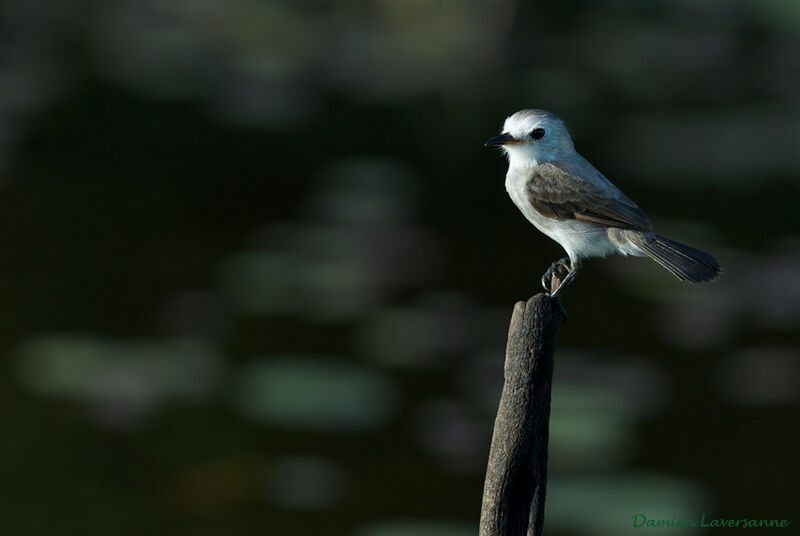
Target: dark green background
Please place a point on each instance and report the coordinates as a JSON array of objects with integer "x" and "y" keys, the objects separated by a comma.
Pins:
[{"x": 257, "y": 266}]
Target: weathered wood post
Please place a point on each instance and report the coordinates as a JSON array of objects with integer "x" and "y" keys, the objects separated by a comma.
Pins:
[{"x": 516, "y": 475}]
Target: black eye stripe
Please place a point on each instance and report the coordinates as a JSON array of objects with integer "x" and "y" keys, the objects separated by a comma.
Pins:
[{"x": 537, "y": 133}]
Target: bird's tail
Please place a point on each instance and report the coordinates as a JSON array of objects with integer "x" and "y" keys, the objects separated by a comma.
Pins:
[{"x": 686, "y": 263}]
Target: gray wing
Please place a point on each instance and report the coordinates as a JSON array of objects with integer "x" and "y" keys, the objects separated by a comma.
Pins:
[{"x": 577, "y": 191}]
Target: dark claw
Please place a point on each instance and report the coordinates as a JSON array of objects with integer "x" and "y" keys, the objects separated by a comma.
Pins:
[
  {"x": 546, "y": 281},
  {"x": 553, "y": 270}
]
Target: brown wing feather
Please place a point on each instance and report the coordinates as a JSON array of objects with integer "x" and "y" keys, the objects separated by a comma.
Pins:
[{"x": 556, "y": 192}]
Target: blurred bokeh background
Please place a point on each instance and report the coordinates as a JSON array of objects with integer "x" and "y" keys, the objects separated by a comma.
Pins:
[{"x": 257, "y": 268}]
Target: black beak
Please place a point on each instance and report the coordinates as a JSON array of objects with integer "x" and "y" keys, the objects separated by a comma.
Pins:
[{"x": 502, "y": 139}]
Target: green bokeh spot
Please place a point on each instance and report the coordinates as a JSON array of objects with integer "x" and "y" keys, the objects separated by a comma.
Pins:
[{"x": 316, "y": 393}]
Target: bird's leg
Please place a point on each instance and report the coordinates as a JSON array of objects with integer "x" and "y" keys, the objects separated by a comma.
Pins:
[
  {"x": 573, "y": 271},
  {"x": 548, "y": 275}
]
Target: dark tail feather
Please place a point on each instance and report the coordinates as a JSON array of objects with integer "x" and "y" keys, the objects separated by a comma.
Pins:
[{"x": 686, "y": 263}]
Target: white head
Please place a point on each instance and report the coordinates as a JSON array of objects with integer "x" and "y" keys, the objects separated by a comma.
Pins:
[{"x": 532, "y": 137}]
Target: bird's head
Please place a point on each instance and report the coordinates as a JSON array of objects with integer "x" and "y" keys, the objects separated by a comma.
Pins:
[{"x": 532, "y": 137}]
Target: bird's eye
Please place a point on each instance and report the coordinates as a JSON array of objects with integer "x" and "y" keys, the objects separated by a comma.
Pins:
[{"x": 537, "y": 133}]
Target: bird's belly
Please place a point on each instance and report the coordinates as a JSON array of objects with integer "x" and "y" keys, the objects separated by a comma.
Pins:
[{"x": 579, "y": 239}]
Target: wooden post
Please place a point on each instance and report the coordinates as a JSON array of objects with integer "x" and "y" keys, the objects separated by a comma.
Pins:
[{"x": 516, "y": 475}]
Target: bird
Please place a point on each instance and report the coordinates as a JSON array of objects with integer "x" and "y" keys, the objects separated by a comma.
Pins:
[{"x": 570, "y": 201}]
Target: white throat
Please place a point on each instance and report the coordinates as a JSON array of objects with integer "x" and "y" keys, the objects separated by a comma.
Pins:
[{"x": 519, "y": 158}]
